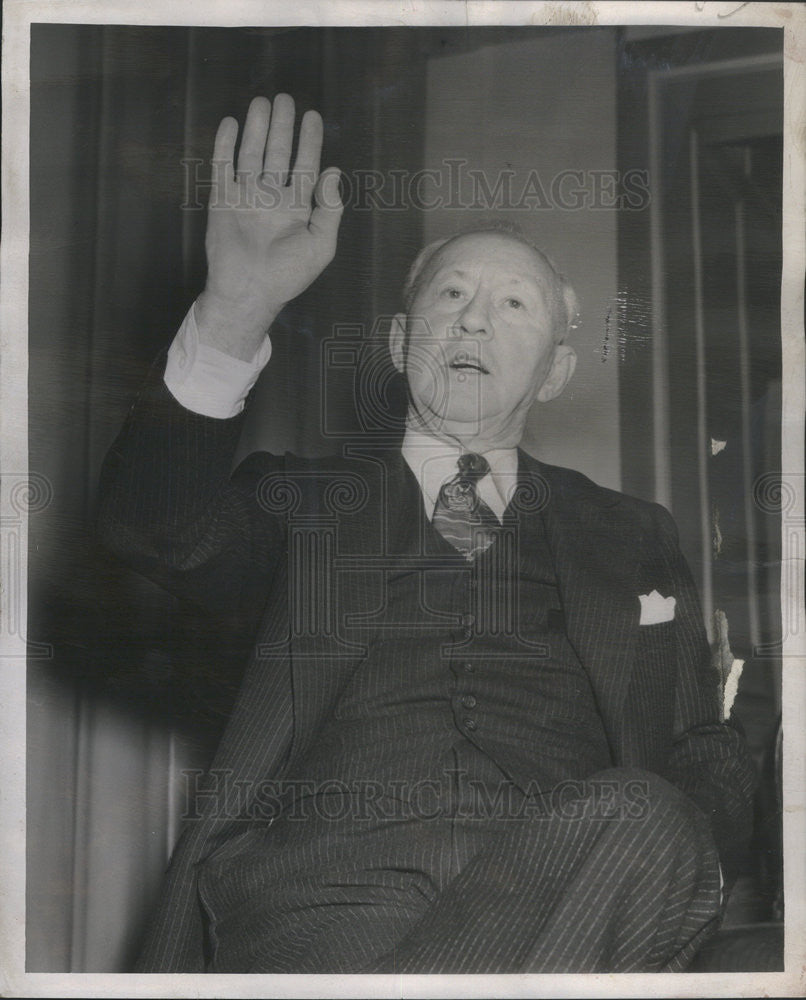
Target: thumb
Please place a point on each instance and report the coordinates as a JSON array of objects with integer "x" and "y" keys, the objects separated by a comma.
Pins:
[{"x": 326, "y": 216}]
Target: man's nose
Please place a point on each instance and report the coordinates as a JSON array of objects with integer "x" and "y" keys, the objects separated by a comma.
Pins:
[{"x": 474, "y": 320}]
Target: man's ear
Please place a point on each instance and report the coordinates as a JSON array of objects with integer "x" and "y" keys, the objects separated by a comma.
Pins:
[
  {"x": 397, "y": 341},
  {"x": 562, "y": 368}
]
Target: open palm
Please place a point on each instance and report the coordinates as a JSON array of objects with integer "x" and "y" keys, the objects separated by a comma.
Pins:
[{"x": 271, "y": 230}]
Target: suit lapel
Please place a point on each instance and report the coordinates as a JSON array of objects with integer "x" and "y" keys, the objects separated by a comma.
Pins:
[
  {"x": 384, "y": 524},
  {"x": 597, "y": 569},
  {"x": 365, "y": 511}
]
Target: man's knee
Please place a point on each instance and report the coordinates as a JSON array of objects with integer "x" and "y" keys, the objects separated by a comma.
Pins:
[
  {"x": 652, "y": 813},
  {"x": 635, "y": 793}
]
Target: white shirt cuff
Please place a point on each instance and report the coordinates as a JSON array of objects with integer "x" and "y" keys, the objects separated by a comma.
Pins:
[{"x": 206, "y": 380}]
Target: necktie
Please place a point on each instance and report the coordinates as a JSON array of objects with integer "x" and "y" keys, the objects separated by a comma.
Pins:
[{"x": 460, "y": 515}]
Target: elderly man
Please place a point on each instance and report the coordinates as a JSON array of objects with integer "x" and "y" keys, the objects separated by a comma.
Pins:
[{"x": 480, "y": 730}]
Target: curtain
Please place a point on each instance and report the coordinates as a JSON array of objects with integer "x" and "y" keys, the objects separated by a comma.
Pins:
[{"x": 127, "y": 689}]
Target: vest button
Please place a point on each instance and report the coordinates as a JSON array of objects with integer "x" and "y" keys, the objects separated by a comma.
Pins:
[
  {"x": 468, "y": 701},
  {"x": 470, "y": 724},
  {"x": 467, "y": 620},
  {"x": 469, "y": 667}
]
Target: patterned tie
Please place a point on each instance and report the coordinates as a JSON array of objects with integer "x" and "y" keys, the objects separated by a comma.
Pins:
[{"x": 460, "y": 515}]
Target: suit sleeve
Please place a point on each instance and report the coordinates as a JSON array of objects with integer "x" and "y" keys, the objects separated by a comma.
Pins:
[
  {"x": 170, "y": 507},
  {"x": 709, "y": 759}
]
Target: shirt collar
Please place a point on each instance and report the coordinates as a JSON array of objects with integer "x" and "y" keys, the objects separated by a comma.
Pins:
[{"x": 433, "y": 463}]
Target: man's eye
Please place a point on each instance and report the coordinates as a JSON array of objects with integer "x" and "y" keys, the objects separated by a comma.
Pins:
[
  {"x": 453, "y": 293},
  {"x": 515, "y": 303}
]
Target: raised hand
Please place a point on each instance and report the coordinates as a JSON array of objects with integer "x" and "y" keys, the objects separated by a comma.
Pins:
[{"x": 271, "y": 230}]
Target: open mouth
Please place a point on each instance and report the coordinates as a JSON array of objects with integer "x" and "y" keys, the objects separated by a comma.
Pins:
[{"x": 466, "y": 363}]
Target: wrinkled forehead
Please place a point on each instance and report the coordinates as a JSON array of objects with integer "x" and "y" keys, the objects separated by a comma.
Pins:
[{"x": 497, "y": 254}]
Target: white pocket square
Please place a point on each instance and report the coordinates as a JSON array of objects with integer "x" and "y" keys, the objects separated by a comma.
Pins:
[{"x": 656, "y": 609}]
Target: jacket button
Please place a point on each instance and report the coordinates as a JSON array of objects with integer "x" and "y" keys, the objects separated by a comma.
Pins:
[
  {"x": 470, "y": 724},
  {"x": 467, "y": 620},
  {"x": 468, "y": 701},
  {"x": 469, "y": 667}
]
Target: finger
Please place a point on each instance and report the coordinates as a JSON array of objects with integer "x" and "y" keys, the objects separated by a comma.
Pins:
[
  {"x": 253, "y": 140},
  {"x": 309, "y": 152},
  {"x": 326, "y": 216},
  {"x": 223, "y": 173},
  {"x": 281, "y": 137}
]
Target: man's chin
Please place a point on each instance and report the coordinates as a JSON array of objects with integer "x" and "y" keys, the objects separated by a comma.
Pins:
[
  {"x": 462, "y": 417},
  {"x": 466, "y": 411},
  {"x": 459, "y": 424}
]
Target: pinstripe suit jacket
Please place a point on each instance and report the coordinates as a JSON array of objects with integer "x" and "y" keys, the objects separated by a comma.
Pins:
[{"x": 236, "y": 542}]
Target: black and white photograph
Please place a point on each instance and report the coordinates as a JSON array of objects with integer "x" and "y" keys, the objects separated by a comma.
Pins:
[{"x": 402, "y": 499}]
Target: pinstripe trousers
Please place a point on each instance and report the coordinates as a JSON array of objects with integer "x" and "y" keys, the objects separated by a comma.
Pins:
[
  {"x": 628, "y": 886},
  {"x": 615, "y": 874}
]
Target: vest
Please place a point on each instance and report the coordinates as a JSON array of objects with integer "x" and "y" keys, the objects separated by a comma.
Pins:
[{"x": 464, "y": 659}]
